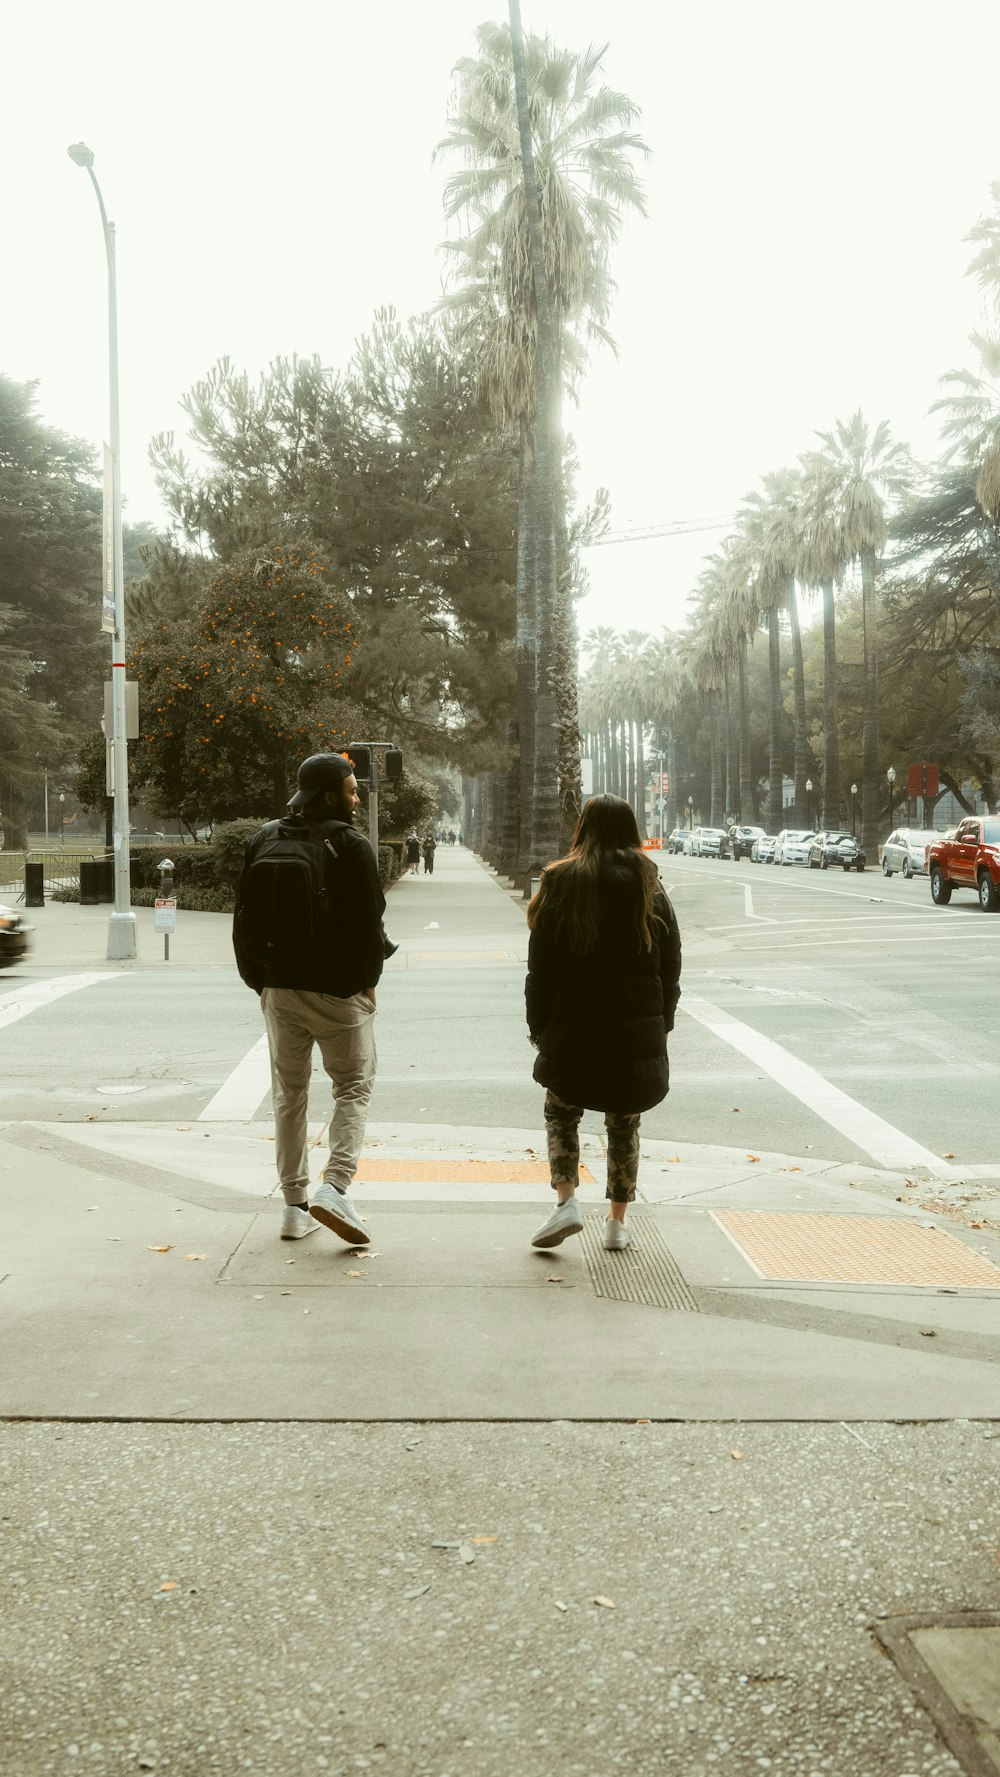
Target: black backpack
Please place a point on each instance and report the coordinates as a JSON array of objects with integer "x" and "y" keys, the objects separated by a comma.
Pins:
[{"x": 283, "y": 918}]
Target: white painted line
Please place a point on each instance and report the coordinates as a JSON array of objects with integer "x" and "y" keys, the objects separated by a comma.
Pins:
[
  {"x": 748, "y": 909},
  {"x": 246, "y": 1088},
  {"x": 23, "y": 1000},
  {"x": 872, "y": 1134}
]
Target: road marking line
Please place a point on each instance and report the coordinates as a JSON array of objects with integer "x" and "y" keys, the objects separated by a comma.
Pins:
[
  {"x": 872, "y": 1134},
  {"x": 28, "y": 999},
  {"x": 246, "y": 1088}
]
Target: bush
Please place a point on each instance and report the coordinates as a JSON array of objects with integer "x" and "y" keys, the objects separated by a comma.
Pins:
[
  {"x": 229, "y": 842},
  {"x": 389, "y": 864},
  {"x": 190, "y": 899}
]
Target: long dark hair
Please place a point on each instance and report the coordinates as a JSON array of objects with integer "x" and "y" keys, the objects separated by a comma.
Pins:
[{"x": 567, "y": 894}]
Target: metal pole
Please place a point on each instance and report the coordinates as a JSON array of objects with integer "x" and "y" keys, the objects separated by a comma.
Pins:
[
  {"x": 373, "y": 804},
  {"x": 46, "y": 805},
  {"x": 122, "y": 937}
]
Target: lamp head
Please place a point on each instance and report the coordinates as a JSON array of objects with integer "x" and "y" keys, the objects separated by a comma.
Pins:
[
  {"x": 81, "y": 154},
  {"x": 891, "y": 774}
]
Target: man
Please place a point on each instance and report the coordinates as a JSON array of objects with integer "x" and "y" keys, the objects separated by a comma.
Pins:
[
  {"x": 413, "y": 853},
  {"x": 308, "y": 938}
]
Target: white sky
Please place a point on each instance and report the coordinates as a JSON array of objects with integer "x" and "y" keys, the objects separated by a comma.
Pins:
[{"x": 815, "y": 165}]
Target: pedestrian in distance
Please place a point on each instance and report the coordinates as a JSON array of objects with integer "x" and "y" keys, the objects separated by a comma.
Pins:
[
  {"x": 604, "y": 965},
  {"x": 309, "y": 938},
  {"x": 430, "y": 847},
  {"x": 413, "y": 853}
]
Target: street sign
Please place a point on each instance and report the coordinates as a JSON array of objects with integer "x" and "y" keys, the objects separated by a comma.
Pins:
[
  {"x": 923, "y": 779},
  {"x": 165, "y": 915},
  {"x": 108, "y": 552}
]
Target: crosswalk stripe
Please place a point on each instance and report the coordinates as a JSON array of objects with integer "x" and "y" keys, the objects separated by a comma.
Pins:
[
  {"x": 24, "y": 1000},
  {"x": 247, "y": 1086}
]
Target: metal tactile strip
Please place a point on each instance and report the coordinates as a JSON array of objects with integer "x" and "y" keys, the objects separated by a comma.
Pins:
[
  {"x": 802, "y": 1248},
  {"x": 645, "y": 1272},
  {"x": 459, "y": 1172}
]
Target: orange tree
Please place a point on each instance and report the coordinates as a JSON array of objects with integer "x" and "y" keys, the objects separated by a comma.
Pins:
[{"x": 231, "y": 699}]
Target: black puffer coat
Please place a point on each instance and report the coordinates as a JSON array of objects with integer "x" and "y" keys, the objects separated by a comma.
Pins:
[{"x": 601, "y": 1020}]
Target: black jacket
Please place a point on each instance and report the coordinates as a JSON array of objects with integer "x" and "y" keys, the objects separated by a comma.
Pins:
[
  {"x": 601, "y": 1020},
  {"x": 353, "y": 956}
]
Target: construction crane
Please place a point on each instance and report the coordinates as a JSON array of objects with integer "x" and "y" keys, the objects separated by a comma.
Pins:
[{"x": 640, "y": 533}]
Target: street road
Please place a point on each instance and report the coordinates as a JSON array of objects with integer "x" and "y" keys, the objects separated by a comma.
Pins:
[{"x": 835, "y": 1016}]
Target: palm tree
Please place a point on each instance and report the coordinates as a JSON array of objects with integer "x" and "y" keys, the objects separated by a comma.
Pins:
[
  {"x": 772, "y": 525},
  {"x": 665, "y": 679},
  {"x": 973, "y": 420},
  {"x": 546, "y": 180},
  {"x": 865, "y": 469}
]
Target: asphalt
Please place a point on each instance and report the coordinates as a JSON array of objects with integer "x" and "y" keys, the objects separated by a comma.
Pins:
[{"x": 227, "y": 1464}]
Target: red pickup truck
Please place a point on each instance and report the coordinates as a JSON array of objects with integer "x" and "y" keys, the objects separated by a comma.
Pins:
[{"x": 970, "y": 859}]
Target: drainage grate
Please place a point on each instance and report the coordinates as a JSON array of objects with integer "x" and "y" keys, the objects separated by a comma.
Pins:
[{"x": 645, "y": 1273}]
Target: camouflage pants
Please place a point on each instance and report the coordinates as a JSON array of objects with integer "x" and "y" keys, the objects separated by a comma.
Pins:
[{"x": 562, "y": 1130}]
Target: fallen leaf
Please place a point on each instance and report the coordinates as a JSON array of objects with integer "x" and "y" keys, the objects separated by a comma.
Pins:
[
  {"x": 737, "y": 1455},
  {"x": 554, "y": 1280},
  {"x": 416, "y": 1591},
  {"x": 606, "y": 1603},
  {"x": 948, "y": 1156},
  {"x": 561, "y": 1606},
  {"x": 159, "y": 1249},
  {"x": 642, "y": 1422},
  {"x": 91, "y": 1208},
  {"x": 736, "y": 1110},
  {"x": 927, "y": 1333},
  {"x": 466, "y": 1554},
  {"x": 196, "y": 1255},
  {"x": 754, "y": 1157},
  {"x": 169, "y": 1586},
  {"x": 484, "y": 1539},
  {"x": 910, "y": 1183},
  {"x": 355, "y": 1274}
]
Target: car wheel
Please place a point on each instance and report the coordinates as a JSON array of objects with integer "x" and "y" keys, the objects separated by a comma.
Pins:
[
  {"x": 940, "y": 888},
  {"x": 860, "y": 868},
  {"x": 905, "y": 870},
  {"x": 825, "y": 865},
  {"x": 885, "y": 867},
  {"x": 989, "y": 900}
]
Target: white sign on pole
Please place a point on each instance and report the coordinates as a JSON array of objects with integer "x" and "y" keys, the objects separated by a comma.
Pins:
[
  {"x": 587, "y": 777},
  {"x": 165, "y": 915},
  {"x": 108, "y": 576}
]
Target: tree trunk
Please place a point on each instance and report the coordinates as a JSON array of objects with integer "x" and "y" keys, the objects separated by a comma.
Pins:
[
  {"x": 715, "y": 817},
  {"x": 478, "y": 812},
  {"x": 747, "y": 807},
  {"x": 729, "y": 793},
  {"x": 640, "y": 778},
  {"x": 546, "y": 813},
  {"x": 511, "y": 796},
  {"x": 525, "y": 644},
  {"x": 799, "y": 694},
  {"x": 672, "y": 812},
  {"x": 775, "y": 809},
  {"x": 869, "y": 730},
  {"x": 467, "y": 794},
  {"x": 630, "y": 741},
  {"x": 832, "y": 803}
]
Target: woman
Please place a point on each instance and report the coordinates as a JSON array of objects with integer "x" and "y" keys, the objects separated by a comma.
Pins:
[
  {"x": 604, "y": 964},
  {"x": 413, "y": 853},
  {"x": 430, "y": 847}
]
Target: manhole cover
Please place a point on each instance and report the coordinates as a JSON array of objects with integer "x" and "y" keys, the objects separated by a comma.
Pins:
[
  {"x": 953, "y": 1665},
  {"x": 645, "y": 1273},
  {"x": 802, "y": 1248}
]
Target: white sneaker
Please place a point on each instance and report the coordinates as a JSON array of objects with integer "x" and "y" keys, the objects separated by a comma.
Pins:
[
  {"x": 616, "y": 1236},
  {"x": 564, "y": 1221},
  {"x": 336, "y": 1211},
  {"x": 296, "y": 1222}
]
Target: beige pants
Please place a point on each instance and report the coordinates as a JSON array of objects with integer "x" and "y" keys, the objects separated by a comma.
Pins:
[{"x": 345, "y": 1032}]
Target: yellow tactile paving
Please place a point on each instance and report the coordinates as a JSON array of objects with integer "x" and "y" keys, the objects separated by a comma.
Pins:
[
  {"x": 459, "y": 1172},
  {"x": 854, "y": 1249}
]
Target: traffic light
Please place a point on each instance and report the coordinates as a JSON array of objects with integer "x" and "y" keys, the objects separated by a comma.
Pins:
[
  {"x": 393, "y": 762},
  {"x": 361, "y": 759}
]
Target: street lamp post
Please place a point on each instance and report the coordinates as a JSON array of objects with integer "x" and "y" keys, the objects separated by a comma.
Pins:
[
  {"x": 691, "y": 813},
  {"x": 854, "y": 811},
  {"x": 809, "y": 800},
  {"x": 122, "y": 942},
  {"x": 891, "y": 777},
  {"x": 62, "y": 817}
]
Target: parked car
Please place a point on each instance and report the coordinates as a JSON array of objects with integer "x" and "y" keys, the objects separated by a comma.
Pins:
[
  {"x": 675, "y": 840},
  {"x": 14, "y": 940},
  {"x": 906, "y": 850},
  {"x": 792, "y": 845},
  {"x": 835, "y": 848},
  {"x": 710, "y": 842},
  {"x": 971, "y": 860},
  {"x": 762, "y": 849},
  {"x": 687, "y": 843},
  {"x": 741, "y": 839}
]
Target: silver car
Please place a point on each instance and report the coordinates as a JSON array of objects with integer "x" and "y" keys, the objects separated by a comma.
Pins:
[
  {"x": 905, "y": 851},
  {"x": 762, "y": 849}
]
